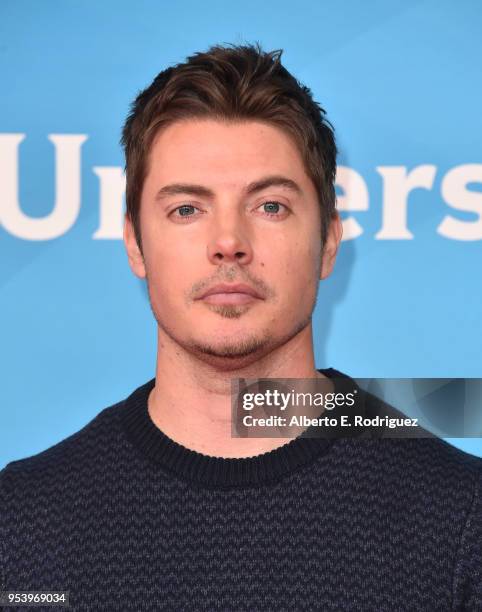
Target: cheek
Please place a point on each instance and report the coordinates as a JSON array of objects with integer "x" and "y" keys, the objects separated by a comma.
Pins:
[
  {"x": 297, "y": 263},
  {"x": 166, "y": 275}
]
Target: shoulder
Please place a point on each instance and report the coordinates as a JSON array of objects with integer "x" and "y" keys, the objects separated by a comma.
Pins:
[
  {"x": 412, "y": 466},
  {"x": 407, "y": 446},
  {"x": 65, "y": 460},
  {"x": 45, "y": 496},
  {"x": 426, "y": 482}
]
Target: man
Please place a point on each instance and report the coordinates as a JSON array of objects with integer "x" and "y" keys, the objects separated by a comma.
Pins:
[{"x": 231, "y": 218}]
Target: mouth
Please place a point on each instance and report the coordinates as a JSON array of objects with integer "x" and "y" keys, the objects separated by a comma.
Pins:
[
  {"x": 229, "y": 298},
  {"x": 230, "y": 294}
]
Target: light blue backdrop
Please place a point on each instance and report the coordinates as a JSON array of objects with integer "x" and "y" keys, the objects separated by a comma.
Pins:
[{"x": 401, "y": 83}]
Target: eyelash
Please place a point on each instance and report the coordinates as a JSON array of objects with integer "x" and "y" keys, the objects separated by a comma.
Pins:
[{"x": 263, "y": 204}]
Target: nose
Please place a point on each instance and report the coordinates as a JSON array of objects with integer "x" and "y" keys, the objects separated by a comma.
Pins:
[{"x": 229, "y": 240}]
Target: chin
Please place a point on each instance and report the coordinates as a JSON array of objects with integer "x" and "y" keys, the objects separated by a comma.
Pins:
[
  {"x": 228, "y": 364},
  {"x": 233, "y": 351}
]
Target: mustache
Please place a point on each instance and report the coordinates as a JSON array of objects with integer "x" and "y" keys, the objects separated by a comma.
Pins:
[{"x": 232, "y": 274}]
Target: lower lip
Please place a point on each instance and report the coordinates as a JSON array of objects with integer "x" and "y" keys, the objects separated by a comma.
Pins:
[{"x": 229, "y": 298}]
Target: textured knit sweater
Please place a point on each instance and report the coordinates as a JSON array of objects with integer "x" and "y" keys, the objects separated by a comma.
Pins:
[{"x": 125, "y": 518}]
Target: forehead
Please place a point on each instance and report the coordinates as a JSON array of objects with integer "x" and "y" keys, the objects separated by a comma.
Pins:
[{"x": 234, "y": 151}]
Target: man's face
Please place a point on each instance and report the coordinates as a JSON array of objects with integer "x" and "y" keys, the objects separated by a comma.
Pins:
[{"x": 206, "y": 218}]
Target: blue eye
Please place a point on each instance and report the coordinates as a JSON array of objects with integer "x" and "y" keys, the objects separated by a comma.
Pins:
[
  {"x": 274, "y": 207},
  {"x": 184, "y": 207}
]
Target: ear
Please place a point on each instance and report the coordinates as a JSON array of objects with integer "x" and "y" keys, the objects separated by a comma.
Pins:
[
  {"x": 134, "y": 255},
  {"x": 330, "y": 250}
]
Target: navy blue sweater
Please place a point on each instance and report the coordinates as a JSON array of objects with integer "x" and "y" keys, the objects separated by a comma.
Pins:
[{"x": 124, "y": 518}]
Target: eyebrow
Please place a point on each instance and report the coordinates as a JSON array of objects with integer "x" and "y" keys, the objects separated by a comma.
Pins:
[{"x": 205, "y": 192}]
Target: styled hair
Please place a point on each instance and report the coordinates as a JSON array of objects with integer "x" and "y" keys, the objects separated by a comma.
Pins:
[{"x": 231, "y": 83}]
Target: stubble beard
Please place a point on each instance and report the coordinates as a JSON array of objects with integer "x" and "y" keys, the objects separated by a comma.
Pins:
[{"x": 234, "y": 352}]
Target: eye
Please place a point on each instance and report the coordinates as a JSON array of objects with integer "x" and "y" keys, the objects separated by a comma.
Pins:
[
  {"x": 184, "y": 211},
  {"x": 273, "y": 208}
]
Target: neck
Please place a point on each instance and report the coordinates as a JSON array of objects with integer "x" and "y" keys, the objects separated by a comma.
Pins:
[{"x": 191, "y": 400}]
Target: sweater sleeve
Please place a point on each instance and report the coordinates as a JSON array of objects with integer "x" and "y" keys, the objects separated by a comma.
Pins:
[
  {"x": 3, "y": 532},
  {"x": 467, "y": 580},
  {"x": 6, "y": 495}
]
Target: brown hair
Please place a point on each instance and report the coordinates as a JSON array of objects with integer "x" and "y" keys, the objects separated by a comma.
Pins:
[{"x": 231, "y": 83}]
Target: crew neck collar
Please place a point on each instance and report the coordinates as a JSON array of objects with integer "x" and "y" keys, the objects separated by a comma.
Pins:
[{"x": 213, "y": 471}]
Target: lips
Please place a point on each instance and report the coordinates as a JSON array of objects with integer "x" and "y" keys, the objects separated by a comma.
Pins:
[{"x": 225, "y": 288}]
